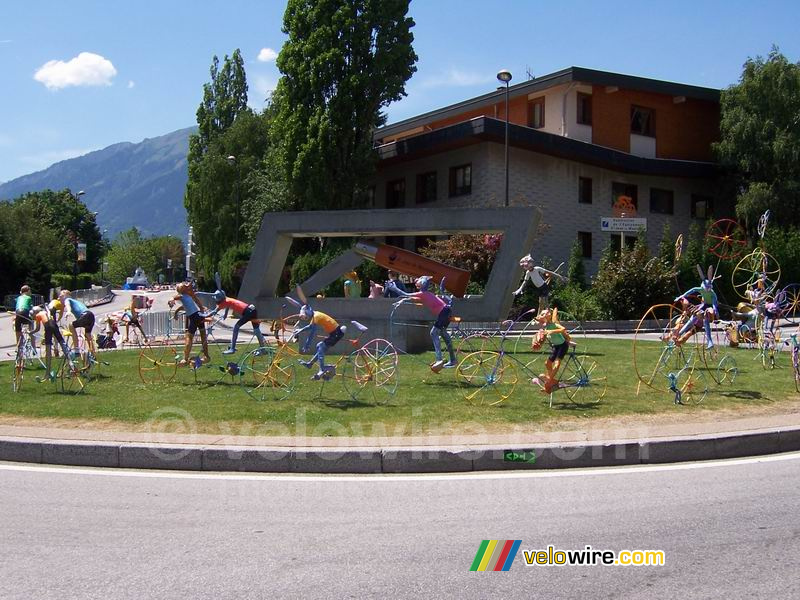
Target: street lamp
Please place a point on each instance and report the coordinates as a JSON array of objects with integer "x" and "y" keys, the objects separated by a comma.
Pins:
[
  {"x": 77, "y": 243},
  {"x": 504, "y": 75},
  {"x": 232, "y": 161}
]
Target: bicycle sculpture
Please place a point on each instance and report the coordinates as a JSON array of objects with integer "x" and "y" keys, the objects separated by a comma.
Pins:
[
  {"x": 663, "y": 364},
  {"x": 490, "y": 377},
  {"x": 370, "y": 368}
]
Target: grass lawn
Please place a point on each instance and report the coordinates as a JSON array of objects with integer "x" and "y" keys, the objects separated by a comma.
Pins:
[{"x": 423, "y": 401}]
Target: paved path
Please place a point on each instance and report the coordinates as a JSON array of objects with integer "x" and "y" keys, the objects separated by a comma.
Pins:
[
  {"x": 728, "y": 530},
  {"x": 120, "y": 301}
]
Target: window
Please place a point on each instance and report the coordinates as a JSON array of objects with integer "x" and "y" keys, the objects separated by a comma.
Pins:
[
  {"x": 536, "y": 113},
  {"x": 643, "y": 121},
  {"x": 426, "y": 187},
  {"x": 460, "y": 180},
  {"x": 584, "y": 108},
  {"x": 662, "y": 201},
  {"x": 616, "y": 241},
  {"x": 584, "y": 190},
  {"x": 396, "y": 193},
  {"x": 701, "y": 206},
  {"x": 624, "y": 189},
  {"x": 585, "y": 239}
]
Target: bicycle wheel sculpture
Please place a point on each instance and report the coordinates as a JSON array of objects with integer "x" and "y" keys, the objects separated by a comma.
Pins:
[
  {"x": 583, "y": 380},
  {"x": 374, "y": 368},
  {"x": 655, "y": 352},
  {"x": 717, "y": 360},
  {"x": 769, "y": 348},
  {"x": 758, "y": 266},
  {"x": 726, "y": 239},
  {"x": 789, "y": 301},
  {"x": 690, "y": 385},
  {"x": 796, "y": 368},
  {"x": 269, "y": 373},
  {"x": 678, "y": 249},
  {"x": 476, "y": 342},
  {"x": 19, "y": 373},
  {"x": 487, "y": 378},
  {"x": 726, "y": 371},
  {"x": 158, "y": 364},
  {"x": 70, "y": 378}
]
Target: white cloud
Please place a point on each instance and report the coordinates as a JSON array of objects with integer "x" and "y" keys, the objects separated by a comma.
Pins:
[
  {"x": 5, "y": 41},
  {"x": 131, "y": 85},
  {"x": 85, "y": 69},
  {"x": 264, "y": 86},
  {"x": 458, "y": 78},
  {"x": 267, "y": 55}
]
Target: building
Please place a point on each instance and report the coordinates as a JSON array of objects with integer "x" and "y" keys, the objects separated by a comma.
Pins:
[{"x": 578, "y": 140}]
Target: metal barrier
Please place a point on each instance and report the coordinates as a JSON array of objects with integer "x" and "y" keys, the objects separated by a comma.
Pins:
[
  {"x": 162, "y": 324},
  {"x": 93, "y": 296},
  {"x": 10, "y": 301}
]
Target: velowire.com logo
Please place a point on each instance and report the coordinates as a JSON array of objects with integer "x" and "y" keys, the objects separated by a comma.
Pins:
[{"x": 495, "y": 555}]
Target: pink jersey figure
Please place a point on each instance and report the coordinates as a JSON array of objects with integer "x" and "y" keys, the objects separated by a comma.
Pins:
[{"x": 441, "y": 310}]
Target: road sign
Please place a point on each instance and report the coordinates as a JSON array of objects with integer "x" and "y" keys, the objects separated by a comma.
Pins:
[{"x": 617, "y": 225}]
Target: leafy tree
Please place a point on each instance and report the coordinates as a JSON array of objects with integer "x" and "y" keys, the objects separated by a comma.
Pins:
[
  {"x": 577, "y": 303},
  {"x": 38, "y": 237},
  {"x": 342, "y": 63},
  {"x": 230, "y": 143},
  {"x": 631, "y": 281},
  {"x": 29, "y": 252},
  {"x": 130, "y": 251},
  {"x": 65, "y": 213},
  {"x": 576, "y": 271},
  {"x": 474, "y": 253},
  {"x": 223, "y": 99},
  {"x": 760, "y": 138}
]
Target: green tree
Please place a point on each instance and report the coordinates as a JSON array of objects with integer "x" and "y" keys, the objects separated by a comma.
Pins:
[
  {"x": 631, "y": 281},
  {"x": 229, "y": 144},
  {"x": 29, "y": 252},
  {"x": 39, "y": 233},
  {"x": 130, "y": 251},
  {"x": 343, "y": 62},
  {"x": 64, "y": 212},
  {"x": 576, "y": 271},
  {"x": 760, "y": 138}
]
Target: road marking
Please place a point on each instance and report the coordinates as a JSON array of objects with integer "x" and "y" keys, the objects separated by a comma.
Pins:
[{"x": 312, "y": 477}]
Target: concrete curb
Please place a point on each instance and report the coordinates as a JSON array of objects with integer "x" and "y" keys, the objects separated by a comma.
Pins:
[{"x": 419, "y": 459}]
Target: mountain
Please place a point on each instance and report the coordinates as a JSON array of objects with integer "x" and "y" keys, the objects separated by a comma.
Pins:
[{"x": 129, "y": 185}]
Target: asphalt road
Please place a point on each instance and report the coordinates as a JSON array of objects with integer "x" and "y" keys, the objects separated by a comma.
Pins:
[
  {"x": 728, "y": 529},
  {"x": 121, "y": 300}
]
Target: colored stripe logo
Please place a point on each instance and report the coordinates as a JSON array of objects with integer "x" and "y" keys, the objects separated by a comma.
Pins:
[{"x": 495, "y": 555}]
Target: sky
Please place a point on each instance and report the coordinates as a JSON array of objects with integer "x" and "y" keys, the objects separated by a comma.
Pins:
[{"x": 79, "y": 76}]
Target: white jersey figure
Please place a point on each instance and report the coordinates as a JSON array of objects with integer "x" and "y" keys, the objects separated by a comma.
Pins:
[{"x": 540, "y": 278}]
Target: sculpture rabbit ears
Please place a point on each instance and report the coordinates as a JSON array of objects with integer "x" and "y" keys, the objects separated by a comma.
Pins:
[
  {"x": 708, "y": 275},
  {"x": 305, "y": 309},
  {"x": 219, "y": 295}
]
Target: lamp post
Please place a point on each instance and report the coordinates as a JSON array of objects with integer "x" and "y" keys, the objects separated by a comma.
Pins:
[
  {"x": 76, "y": 242},
  {"x": 504, "y": 75},
  {"x": 232, "y": 161}
]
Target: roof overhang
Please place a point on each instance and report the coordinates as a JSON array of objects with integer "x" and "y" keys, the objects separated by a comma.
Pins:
[
  {"x": 483, "y": 129},
  {"x": 565, "y": 76}
]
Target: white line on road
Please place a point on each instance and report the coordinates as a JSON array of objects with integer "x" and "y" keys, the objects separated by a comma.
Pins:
[{"x": 311, "y": 477}]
